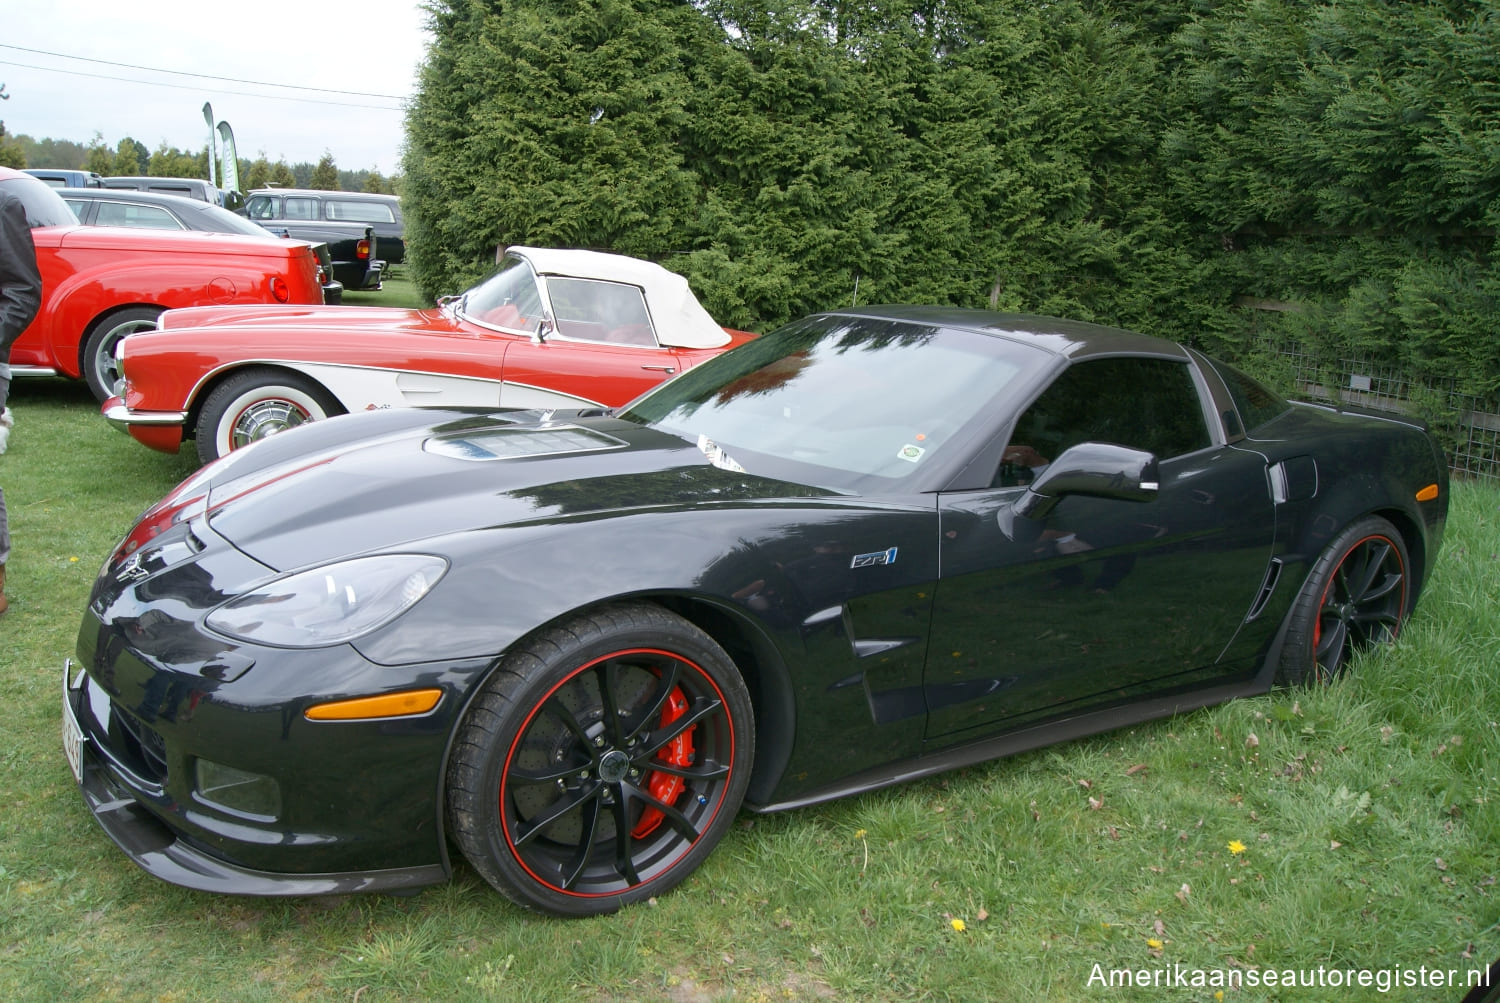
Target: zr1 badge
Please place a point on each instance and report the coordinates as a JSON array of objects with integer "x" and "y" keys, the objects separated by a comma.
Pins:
[{"x": 870, "y": 560}]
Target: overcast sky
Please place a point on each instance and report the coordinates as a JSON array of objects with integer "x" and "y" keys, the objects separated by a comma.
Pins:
[{"x": 144, "y": 68}]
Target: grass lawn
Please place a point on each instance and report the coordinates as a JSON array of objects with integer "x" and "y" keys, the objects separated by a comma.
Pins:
[
  {"x": 396, "y": 290},
  {"x": 1352, "y": 827}
]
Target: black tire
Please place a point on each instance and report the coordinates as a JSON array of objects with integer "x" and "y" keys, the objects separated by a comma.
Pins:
[
  {"x": 1357, "y": 595},
  {"x": 100, "y": 370},
  {"x": 602, "y": 761},
  {"x": 255, "y": 404}
]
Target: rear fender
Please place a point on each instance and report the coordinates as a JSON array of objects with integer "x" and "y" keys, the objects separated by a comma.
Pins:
[{"x": 1347, "y": 500}]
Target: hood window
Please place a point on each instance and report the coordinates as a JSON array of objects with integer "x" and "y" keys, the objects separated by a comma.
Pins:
[{"x": 510, "y": 443}]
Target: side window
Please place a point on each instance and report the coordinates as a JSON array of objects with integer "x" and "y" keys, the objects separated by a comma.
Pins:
[
  {"x": 123, "y": 214},
  {"x": 591, "y": 310},
  {"x": 300, "y": 208},
  {"x": 111, "y": 214},
  {"x": 153, "y": 217},
  {"x": 1149, "y": 404},
  {"x": 358, "y": 211},
  {"x": 262, "y": 207}
]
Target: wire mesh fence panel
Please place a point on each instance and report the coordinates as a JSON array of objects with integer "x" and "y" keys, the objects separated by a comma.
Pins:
[{"x": 1467, "y": 426}]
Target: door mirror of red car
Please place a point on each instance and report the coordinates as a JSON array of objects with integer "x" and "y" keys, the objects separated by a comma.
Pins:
[{"x": 545, "y": 328}]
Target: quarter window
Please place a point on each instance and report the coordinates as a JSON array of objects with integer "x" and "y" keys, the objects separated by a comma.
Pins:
[
  {"x": 358, "y": 212},
  {"x": 1257, "y": 405}
]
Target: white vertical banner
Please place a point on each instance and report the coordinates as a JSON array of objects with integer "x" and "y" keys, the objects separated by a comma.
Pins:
[
  {"x": 213, "y": 153},
  {"x": 231, "y": 172}
]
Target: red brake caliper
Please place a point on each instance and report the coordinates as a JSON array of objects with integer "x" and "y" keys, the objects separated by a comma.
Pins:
[{"x": 665, "y": 787}]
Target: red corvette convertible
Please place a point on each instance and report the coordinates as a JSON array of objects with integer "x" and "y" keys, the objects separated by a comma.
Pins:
[
  {"x": 549, "y": 329},
  {"x": 100, "y": 283}
]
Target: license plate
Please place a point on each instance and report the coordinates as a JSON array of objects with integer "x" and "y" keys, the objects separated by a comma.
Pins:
[{"x": 72, "y": 734}]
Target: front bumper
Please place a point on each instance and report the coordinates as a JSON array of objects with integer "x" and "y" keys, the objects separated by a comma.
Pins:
[
  {"x": 196, "y": 756},
  {"x": 124, "y": 419},
  {"x": 114, "y": 796},
  {"x": 160, "y": 430}
]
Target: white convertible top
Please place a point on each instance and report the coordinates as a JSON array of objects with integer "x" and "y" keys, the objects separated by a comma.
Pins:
[{"x": 680, "y": 319}]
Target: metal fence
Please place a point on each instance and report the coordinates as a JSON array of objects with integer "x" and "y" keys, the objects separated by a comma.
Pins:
[{"x": 1468, "y": 426}]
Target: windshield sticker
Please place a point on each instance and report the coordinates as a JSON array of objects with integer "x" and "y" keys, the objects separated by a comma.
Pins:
[
  {"x": 871, "y": 560},
  {"x": 717, "y": 456},
  {"x": 911, "y": 453}
]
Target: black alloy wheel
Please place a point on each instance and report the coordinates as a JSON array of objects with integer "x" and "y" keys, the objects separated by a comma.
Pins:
[
  {"x": 602, "y": 762},
  {"x": 1357, "y": 596}
]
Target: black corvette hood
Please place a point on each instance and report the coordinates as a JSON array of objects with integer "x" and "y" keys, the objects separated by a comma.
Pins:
[{"x": 407, "y": 477}]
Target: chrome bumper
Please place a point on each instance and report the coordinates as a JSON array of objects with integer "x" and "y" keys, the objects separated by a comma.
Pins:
[{"x": 121, "y": 417}]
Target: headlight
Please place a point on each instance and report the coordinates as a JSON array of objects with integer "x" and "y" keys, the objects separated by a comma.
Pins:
[{"x": 329, "y": 605}]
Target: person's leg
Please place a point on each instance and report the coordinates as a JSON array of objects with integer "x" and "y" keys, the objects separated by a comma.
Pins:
[
  {"x": 4, "y": 526},
  {"x": 4, "y": 551}
]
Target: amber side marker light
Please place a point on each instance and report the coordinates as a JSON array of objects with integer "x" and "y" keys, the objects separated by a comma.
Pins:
[
  {"x": 1428, "y": 493},
  {"x": 404, "y": 704}
]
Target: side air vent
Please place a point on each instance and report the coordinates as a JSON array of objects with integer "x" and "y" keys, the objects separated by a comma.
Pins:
[
  {"x": 1294, "y": 479},
  {"x": 1273, "y": 575}
]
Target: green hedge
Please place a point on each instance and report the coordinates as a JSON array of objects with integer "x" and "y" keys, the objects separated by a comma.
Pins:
[{"x": 1159, "y": 165}]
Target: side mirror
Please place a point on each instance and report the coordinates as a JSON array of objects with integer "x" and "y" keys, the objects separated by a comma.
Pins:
[
  {"x": 545, "y": 328},
  {"x": 1092, "y": 469}
]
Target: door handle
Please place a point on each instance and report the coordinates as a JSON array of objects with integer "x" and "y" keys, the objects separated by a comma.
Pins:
[{"x": 664, "y": 369}]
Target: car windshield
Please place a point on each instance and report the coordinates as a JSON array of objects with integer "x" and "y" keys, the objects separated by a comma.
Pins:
[
  {"x": 509, "y": 299},
  {"x": 848, "y": 403}
]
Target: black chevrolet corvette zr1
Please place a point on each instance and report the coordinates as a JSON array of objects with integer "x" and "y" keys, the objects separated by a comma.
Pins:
[{"x": 871, "y": 546}]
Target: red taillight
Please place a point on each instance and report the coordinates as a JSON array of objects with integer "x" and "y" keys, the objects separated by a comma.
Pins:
[
  {"x": 363, "y": 250},
  {"x": 280, "y": 291}
]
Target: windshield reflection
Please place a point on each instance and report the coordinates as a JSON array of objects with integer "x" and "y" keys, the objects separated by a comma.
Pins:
[
  {"x": 847, "y": 398},
  {"x": 509, "y": 299}
]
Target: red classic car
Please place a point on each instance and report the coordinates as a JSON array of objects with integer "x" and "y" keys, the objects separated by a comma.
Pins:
[
  {"x": 549, "y": 329},
  {"x": 100, "y": 283}
]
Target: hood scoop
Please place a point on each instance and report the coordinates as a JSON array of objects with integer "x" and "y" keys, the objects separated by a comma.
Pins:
[{"x": 512, "y": 443}]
